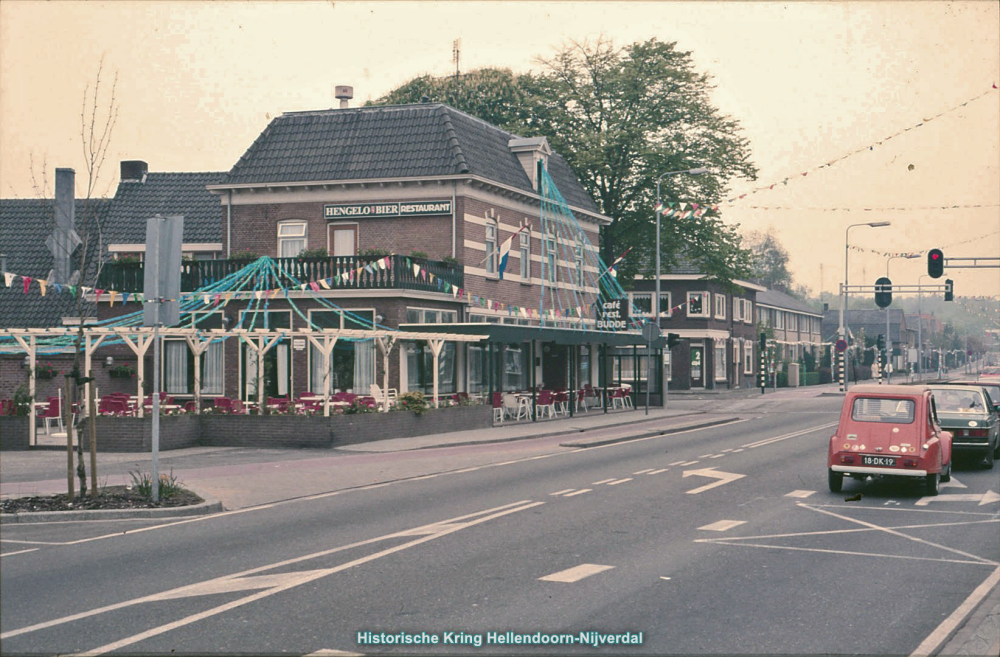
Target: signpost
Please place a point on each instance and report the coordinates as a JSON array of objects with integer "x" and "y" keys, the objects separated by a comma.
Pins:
[
  {"x": 650, "y": 332},
  {"x": 162, "y": 290}
]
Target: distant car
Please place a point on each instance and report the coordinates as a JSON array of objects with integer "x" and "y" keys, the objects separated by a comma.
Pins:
[
  {"x": 969, "y": 414},
  {"x": 889, "y": 431}
]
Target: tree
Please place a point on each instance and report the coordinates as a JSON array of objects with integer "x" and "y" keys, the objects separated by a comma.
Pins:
[
  {"x": 770, "y": 259},
  {"x": 621, "y": 117}
]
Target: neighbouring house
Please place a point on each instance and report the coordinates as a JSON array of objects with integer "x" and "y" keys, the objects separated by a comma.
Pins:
[{"x": 795, "y": 327}]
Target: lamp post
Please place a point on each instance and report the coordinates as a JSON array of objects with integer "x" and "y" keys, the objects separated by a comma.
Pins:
[
  {"x": 843, "y": 293},
  {"x": 697, "y": 171},
  {"x": 888, "y": 336},
  {"x": 920, "y": 329}
]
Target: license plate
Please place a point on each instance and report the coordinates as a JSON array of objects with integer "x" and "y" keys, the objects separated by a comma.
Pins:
[{"x": 884, "y": 461}]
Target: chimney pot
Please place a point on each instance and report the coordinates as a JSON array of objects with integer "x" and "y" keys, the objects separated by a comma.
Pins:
[
  {"x": 133, "y": 170},
  {"x": 343, "y": 93}
]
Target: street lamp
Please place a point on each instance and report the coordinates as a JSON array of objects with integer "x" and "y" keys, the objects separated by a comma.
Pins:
[
  {"x": 888, "y": 336},
  {"x": 920, "y": 329},
  {"x": 843, "y": 296}
]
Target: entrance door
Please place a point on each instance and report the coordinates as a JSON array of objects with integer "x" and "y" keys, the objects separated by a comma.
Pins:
[
  {"x": 555, "y": 366},
  {"x": 697, "y": 366},
  {"x": 343, "y": 239}
]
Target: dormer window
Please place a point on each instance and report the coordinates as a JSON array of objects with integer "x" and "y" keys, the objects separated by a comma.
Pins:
[{"x": 529, "y": 151}]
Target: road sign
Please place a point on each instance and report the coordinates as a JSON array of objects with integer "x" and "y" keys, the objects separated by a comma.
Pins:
[
  {"x": 650, "y": 331},
  {"x": 841, "y": 345}
]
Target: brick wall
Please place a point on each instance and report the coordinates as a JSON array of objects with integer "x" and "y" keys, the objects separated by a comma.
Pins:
[
  {"x": 272, "y": 432},
  {"x": 132, "y": 434},
  {"x": 14, "y": 432},
  {"x": 354, "y": 429}
]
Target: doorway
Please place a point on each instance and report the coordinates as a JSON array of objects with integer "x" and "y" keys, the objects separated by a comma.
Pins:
[{"x": 697, "y": 366}]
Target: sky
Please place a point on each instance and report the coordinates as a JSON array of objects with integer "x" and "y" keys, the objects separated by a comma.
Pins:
[{"x": 817, "y": 87}]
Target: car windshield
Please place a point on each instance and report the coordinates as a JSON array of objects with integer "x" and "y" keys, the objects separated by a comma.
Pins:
[
  {"x": 994, "y": 393},
  {"x": 878, "y": 409},
  {"x": 959, "y": 401}
]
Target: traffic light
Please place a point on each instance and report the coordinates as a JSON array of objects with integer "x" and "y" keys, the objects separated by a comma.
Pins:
[
  {"x": 949, "y": 290},
  {"x": 883, "y": 292},
  {"x": 935, "y": 263},
  {"x": 763, "y": 342},
  {"x": 880, "y": 342},
  {"x": 673, "y": 340}
]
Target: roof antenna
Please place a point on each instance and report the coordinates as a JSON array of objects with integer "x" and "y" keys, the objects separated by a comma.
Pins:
[{"x": 456, "y": 47}]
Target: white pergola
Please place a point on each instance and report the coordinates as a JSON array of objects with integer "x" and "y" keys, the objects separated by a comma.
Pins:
[{"x": 138, "y": 339}]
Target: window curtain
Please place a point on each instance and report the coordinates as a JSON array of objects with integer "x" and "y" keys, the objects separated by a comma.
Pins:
[
  {"x": 282, "y": 360},
  {"x": 446, "y": 369},
  {"x": 477, "y": 369},
  {"x": 364, "y": 365},
  {"x": 250, "y": 373},
  {"x": 316, "y": 374},
  {"x": 212, "y": 370},
  {"x": 175, "y": 366}
]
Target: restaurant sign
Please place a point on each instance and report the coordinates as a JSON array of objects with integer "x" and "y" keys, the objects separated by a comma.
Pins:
[
  {"x": 391, "y": 209},
  {"x": 612, "y": 315}
]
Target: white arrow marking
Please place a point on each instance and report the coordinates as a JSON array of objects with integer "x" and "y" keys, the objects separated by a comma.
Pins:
[
  {"x": 986, "y": 498},
  {"x": 723, "y": 477},
  {"x": 954, "y": 483}
]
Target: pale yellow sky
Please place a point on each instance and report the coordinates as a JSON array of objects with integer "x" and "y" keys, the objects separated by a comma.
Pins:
[{"x": 809, "y": 82}]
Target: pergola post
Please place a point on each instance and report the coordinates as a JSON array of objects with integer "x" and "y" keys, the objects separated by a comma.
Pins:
[
  {"x": 385, "y": 344},
  {"x": 138, "y": 347},
  {"x": 90, "y": 344},
  {"x": 436, "y": 344},
  {"x": 198, "y": 347},
  {"x": 326, "y": 348}
]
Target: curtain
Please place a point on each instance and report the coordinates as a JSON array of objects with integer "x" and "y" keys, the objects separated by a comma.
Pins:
[
  {"x": 364, "y": 365},
  {"x": 446, "y": 369},
  {"x": 282, "y": 357},
  {"x": 175, "y": 366},
  {"x": 250, "y": 373},
  {"x": 316, "y": 376},
  {"x": 212, "y": 371},
  {"x": 477, "y": 369}
]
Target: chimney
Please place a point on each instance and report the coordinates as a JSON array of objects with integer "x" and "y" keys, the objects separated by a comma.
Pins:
[
  {"x": 133, "y": 171},
  {"x": 343, "y": 93},
  {"x": 63, "y": 240}
]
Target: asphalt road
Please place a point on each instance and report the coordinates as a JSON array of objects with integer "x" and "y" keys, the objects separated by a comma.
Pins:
[{"x": 714, "y": 541}]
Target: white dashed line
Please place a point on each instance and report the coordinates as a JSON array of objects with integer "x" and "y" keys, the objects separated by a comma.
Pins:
[
  {"x": 723, "y": 525},
  {"x": 579, "y": 492},
  {"x": 676, "y": 463},
  {"x": 716, "y": 456},
  {"x": 647, "y": 470},
  {"x": 602, "y": 481},
  {"x": 704, "y": 456},
  {"x": 737, "y": 450},
  {"x": 658, "y": 471},
  {"x": 800, "y": 493},
  {"x": 576, "y": 573},
  {"x": 620, "y": 481},
  {"x": 560, "y": 492}
]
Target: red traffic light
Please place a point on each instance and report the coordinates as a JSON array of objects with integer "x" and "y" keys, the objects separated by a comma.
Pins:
[{"x": 935, "y": 263}]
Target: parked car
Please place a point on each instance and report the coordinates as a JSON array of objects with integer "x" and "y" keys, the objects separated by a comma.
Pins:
[
  {"x": 889, "y": 431},
  {"x": 969, "y": 414}
]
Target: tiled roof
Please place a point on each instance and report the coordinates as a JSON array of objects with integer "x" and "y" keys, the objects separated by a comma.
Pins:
[
  {"x": 166, "y": 194},
  {"x": 776, "y": 299},
  {"x": 873, "y": 321},
  {"x": 396, "y": 141},
  {"x": 24, "y": 225}
]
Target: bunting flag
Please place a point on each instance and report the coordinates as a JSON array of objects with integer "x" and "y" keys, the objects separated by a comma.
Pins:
[
  {"x": 884, "y": 254},
  {"x": 98, "y": 292},
  {"x": 229, "y": 295},
  {"x": 125, "y": 298},
  {"x": 875, "y": 209},
  {"x": 27, "y": 282},
  {"x": 42, "y": 284},
  {"x": 111, "y": 296},
  {"x": 9, "y": 278}
]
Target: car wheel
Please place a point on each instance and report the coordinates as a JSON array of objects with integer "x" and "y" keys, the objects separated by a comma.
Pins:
[
  {"x": 946, "y": 476},
  {"x": 933, "y": 483},
  {"x": 836, "y": 480},
  {"x": 988, "y": 460}
]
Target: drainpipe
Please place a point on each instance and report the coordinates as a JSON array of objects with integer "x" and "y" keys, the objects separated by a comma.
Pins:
[
  {"x": 454, "y": 222},
  {"x": 229, "y": 224}
]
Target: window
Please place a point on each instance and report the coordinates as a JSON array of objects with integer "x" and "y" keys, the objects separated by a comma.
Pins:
[
  {"x": 736, "y": 354},
  {"x": 737, "y": 309},
  {"x": 642, "y": 303},
  {"x": 491, "y": 247},
  {"x": 178, "y": 360},
  {"x": 431, "y": 316},
  {"x": 720, "y": 306},
  {"x": 578, "y": 259},
  {"x": 779, "y": 319},
  {"x": 792, "y": 322},
  {"x": 291, "y": 238},
  {"x": 352, "y": 362},
  {"x": 515, "y": 367},
  {"x": 420, "y": 367},
  {"x": 748, "y": 311},
  {"x": 720, "y": 360},
  {"x": 697, "y": 304},
  {"x": 524, "y": 239},
  {"x": 549, "y": 258},
  {"x": 748, "y": 357},
  {"x": 476, "y": 369},
  {"x": 874, "y": 409}
]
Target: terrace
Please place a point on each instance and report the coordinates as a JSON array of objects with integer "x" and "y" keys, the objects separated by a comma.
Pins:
[{"x": 196, "y": 274}]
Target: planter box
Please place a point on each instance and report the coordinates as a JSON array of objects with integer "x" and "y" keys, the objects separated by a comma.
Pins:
[
  {"x": 14, "y": 432},
  {"x": 132, "y": 434},
  {"x": 366, "y": 427},
  {"x": 46, "y": 375}
]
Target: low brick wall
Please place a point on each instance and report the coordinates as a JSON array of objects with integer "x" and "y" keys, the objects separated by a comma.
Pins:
[
  {"x": 133, "y": 434},
  {"x": 268, "y": 431},
  {"x": 366, "y": 427},
  {"x": 14, "y": 432}
]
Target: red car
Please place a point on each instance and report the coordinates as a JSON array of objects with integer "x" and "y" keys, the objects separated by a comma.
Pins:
[{"x": 889, "y": 431}]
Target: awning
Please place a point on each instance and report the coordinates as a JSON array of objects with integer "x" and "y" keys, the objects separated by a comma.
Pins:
[{"x": 513, "y": 333}]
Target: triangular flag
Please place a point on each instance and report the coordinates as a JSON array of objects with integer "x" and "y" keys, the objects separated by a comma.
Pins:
[
  {"x": 416, "y": 270},
  {"x": 314, "y": 286},
  {"x": 140, "y": 297},
  {"x": 325, "y": 282},
  {"x": 98, "y": 292},
  {"x": 58, "y": 288},
  {"x": 229, "y": 295},
  {"x": 124, "y": 298},
  {"x": 259, "y": 294},
  {"x": 27, "y": 282},
  {"x": 9, "y": 278},
  {"x": 112, "y": 294},
  {"x": 207, "y": 299},
  {"x": 217, "y": 298},
  {"x": 42, "y": 284},
  {"x": 381, "y": 263}
]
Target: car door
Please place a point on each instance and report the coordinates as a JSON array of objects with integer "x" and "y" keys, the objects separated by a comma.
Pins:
[{"x": 934, "y": 430}]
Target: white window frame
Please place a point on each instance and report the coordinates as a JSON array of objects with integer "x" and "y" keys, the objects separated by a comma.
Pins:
[
  {"x": 748, "y": 311},
  {"x": 717, "y": 362},
  {"x": 550, "y": 257},
  {"x": 737, "y": 309},
  {"x": 578, "y": 263},
  {"x": 706, "y": 301},
  {"x": 491, "y": 234},
  {"x": 748, "y": 357},
  {"x": 524, "y": 244},
  {"x": 641, "y": 295},
  {"x": 736, "y": 354},
  {"x": 452, "y": 314},
  {"x": 301, "y": 235},
  {"x": 793, "y": 322},
  {"x": 720, "y": 306},
  {"x": 779, "y": 320}
]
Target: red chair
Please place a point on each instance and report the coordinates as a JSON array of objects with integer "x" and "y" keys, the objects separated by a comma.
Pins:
[
  {"x": 190, "y": 406},
  {"x": 53, "y": 412},
  {"x": 546, "y": 403},
  {"x": 6, "y": 406},
  {"x": 498, "y": 407},
  {"x": 280, "y": 402},
  {"x": 223, "y": 403},
  {"x": 561, "y": 402},
  {"x": 237, "y": 407},
  {"x": 581, "y": 399},
  {"x": 115, "y": 406}
]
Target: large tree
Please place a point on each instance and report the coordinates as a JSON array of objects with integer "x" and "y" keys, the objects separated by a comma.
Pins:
[
  {"x": 769, "y": 260},
  {"x": 622, "y": 117}
]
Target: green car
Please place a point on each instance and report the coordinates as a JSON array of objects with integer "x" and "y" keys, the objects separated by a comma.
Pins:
[{"x": 970, "y": 415}]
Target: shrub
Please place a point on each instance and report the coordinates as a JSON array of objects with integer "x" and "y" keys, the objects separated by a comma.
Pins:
[
  {"x": 22, "y": 400},
  {"x": 418, "y": 254},
  {"x": 377, "y": 252},
  {"x": 245, "y": 254},
  {"x": 321, "y": 252},
  {"x": 413, "y": 401},
  {"x": 450, "y": 260},
  {"x": 142, "y": 482},
  {"x": 825, "y": 375}
]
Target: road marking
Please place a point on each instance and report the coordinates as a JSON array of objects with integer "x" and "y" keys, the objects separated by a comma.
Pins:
[
  {"x": 658, "y": 471},
  {"x": 11, "y": 540},
  {"x": 620, "y": 481},
  {"x": 930, "y": 645},
  {"x": 716, "y": 456},
  {"x": 675, "y": 463},
  {"x": 576, "y": 573},
  {"x": 686, "y": 463},
  {"x": 723, "y": 525},
  {"x": 954, "y": 483},
  {"x": 327, "y": 652},
  {"x": 662, "y": 577},
  {"x": 723, "y": 477},
  {"x": 602, "y": 481},
  {"x": 736, "y": 451},
  {"x": 724, "y": 541},
  {"x": 646, "y": 471},
  {"x": 776, "y": 439},
  {"x": 473, "y": 469},
  {"x": 800, "y": 493},
  {"x": 446, "y": 527},
  {"x": 560, "y": 492},
  {"x": 728, "y": 450},
  {"x": 580, "y": 492},
  {"x": 10, "y": 554},
  {"x": 989, "y": 497},
  {"x": 704, "y": 456}
]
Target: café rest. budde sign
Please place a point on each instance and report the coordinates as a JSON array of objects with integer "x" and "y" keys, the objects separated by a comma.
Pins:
[
  {"x": 392, "y": 209},
  {"x": 612, "y": 315}
]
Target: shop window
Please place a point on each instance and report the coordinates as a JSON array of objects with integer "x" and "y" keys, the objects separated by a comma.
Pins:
[
  {"x": 352, "y": 362},
  {"x": 291, "y": 238},
  {"x": 420, "y": 367}
]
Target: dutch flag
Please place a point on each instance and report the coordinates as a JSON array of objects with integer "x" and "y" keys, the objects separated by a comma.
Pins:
[{"x": 505, "y": 252}]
